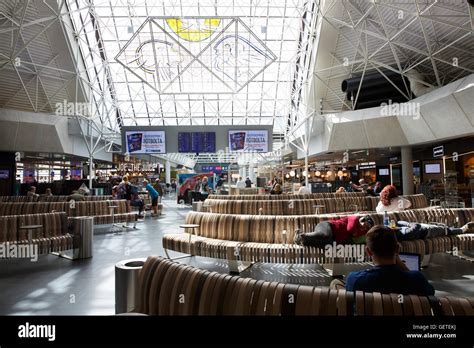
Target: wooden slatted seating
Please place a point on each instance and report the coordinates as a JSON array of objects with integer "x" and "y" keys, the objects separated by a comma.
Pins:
[
  {"x": 52, "y": 237},
  {"x": 299, "y": 206},
  {"x": 63, "y": 198},
  {"x": 56, "y": 198},
  {"x": 285, "y": 196},
  {"x": 260, "y": 237},
  {"x": 100, "y": 210},
  {"x": 18, "y": 198},
  {"x": 169, "y": 288}
]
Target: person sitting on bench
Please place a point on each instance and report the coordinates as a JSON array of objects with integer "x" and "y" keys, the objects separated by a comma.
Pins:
[
  {"x": 390, "y": 275},
  {"x": 345, "y": 230}
]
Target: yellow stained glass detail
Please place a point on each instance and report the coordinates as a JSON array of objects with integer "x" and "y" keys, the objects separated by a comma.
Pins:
[{"x": 194, "y": 29}]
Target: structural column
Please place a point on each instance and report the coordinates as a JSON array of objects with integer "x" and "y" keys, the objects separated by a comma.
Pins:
[
  {"x": 407, "y": 170},
  {"x": 252, "y": 172},
  {"x": 91, "y": 156},
  {"x": 168, "y": 172}
]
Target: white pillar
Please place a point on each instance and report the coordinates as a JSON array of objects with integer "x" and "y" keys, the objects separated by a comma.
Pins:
[
  {"x": 168, "y": 172},
  {"x": 306, "y": 169},
  {"x": 407, "y": 170},
  {"x": 252, "y": 172},
  {"x": 91, "y": 156}
]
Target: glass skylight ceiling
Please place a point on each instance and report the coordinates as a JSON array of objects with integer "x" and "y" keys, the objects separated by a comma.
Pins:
[{"x": 206, "y": 62}]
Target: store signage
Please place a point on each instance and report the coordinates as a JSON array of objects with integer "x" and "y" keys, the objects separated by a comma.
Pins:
[
  {"x": 137, "y": 167},
  {"x": 366, "y": 165},
  {"x": 214, "y": 169},
  {"x": 103, "y": 166},
  {"x": 438, "y": 151},
  {"x": 394, "y": 159}
]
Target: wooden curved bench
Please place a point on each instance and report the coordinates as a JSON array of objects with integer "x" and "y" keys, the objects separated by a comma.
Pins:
[
  {"x": 291, "y": 253},
  {"x": 53, "y": 237},
  {"x": 268, "y": 228},
  {"x": 260, "y": 239},
  {"x": 285, "y": 196},
  {"x": 163, "y": 283},
  {"x": 299, "y": 206},
  {"x": 98, "y": 209}
]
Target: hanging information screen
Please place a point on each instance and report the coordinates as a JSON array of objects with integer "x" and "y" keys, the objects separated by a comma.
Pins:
[
  {"x": 138, "y": 142},
  {"x": 197, "y": 142},
  {"x": 248, "y": 140}
]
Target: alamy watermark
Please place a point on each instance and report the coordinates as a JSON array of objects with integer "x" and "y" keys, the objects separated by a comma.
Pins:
[
  {"x": 73, "y": 109},
  {"x": 350, "y": 251},
  {"x": 28, "y": 330},
  {"x": 20, "y": 251},
  {"x": 408, "y": 109}
]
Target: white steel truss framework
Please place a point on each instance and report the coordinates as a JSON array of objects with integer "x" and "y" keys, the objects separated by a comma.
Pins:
[
  {"x": 259, "y": 58},
  {"x": 435, "y": 38}
]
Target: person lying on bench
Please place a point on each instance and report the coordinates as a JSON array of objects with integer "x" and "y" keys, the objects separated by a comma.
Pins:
[
  {"x": 346, "y": 230},
  {"x": 390, "y": 274},
  {"x": 411, "y": 230}
]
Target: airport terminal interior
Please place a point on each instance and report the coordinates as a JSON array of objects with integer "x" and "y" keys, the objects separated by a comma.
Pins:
[{"x": 237, "y": 158}]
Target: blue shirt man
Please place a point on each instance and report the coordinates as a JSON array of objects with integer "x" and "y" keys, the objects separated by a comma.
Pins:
[
  {"x": 390, "y": 274},
  {"x": 154, "y": 197},
  {"x": 153, "y": 193},
  {"x": 390, "y": 279}
]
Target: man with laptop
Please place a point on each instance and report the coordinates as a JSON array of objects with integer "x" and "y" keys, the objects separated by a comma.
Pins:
[{"x": 389, "y": 274}]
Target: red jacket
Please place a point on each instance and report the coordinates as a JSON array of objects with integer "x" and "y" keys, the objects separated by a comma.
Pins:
[{"x": 346, "y": 228}]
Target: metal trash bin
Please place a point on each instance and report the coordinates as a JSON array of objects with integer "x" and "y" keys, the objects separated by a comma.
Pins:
[
  {"x": 83, "y": 232},
  {"x": 197, "y": 206},
  {"x": 126, "y": 284}
]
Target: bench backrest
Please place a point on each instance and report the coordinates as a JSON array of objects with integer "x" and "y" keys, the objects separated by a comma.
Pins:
[
  {"x": 54, "y": 224},
  {"x": 18, "y": 198},
  {"x": 65, "y": 198},
  {"x": 305, "y": 206},
  {"x": 86, "y": 208},
  {"x": 162, "y": 284},
  {"x": 285, "y": 196},
  {"x": 268, "y": 228},
  {"x": 41, "y": 198}
]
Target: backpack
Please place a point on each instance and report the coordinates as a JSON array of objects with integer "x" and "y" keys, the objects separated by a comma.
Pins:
[{"x": 122, "y": 191}]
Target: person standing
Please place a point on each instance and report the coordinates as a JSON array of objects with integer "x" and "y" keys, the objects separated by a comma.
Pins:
[
  {"x": 136, "y": 201},
  {"x": 154, "y": 197},
  {"x": 219, "y": 184},
  {"x": 248, "y": 183},
  {"x": 240, "y": 183},
  {"x": 362, "y": 187},
  {"x": 125, "y": 190},
  {"x": 205, "y": 188},
  {"x": 157, "y": 186},
  {"x": 377, "y": 189}
]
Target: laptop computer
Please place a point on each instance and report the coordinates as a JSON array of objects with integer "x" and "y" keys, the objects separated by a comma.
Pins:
[{"x": 412, "y": 261}]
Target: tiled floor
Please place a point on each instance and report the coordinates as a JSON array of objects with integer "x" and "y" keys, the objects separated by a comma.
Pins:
[{"x": 56, "y": 286}]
